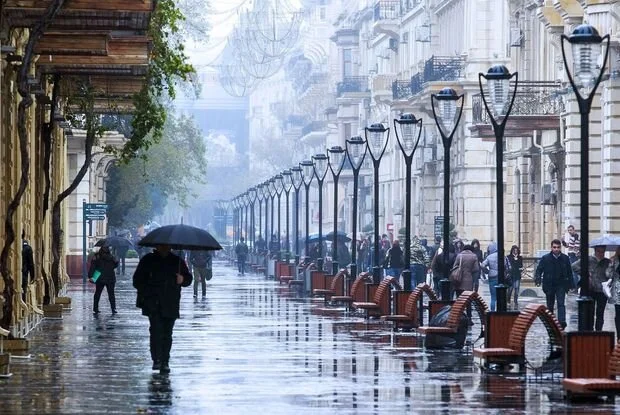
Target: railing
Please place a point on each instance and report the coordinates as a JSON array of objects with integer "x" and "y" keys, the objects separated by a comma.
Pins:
[
  {"x": 382, "y": 82},
  {"x": 401, "y": 89},
  {"x": 304, "y": 84},
  {"x": 443, "y": 68},
  {"x": 407, "y": 5},
  {"x": 352, "y": 84},
  {"x": 387, "y": 9},
  {"x": 313, "y": 126},
  {"x": 417, "y": 83},
  {"x": 533, "y": 98}
]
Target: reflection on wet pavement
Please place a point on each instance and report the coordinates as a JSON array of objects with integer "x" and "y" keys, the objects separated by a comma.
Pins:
[{"x": 253, "y": 346}]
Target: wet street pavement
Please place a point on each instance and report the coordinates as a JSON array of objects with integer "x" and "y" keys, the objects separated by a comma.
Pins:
[{"x": 253, "y": 346}]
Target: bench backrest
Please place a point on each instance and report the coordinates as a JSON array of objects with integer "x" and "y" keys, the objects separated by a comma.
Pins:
[
  {"x": 357, "y": 288},
  {"x": 524, "y": 321},
  {"x": 460, "y": 307},
  {"x": 614, "y": 362},
  {"x": 411, "y": 308}
]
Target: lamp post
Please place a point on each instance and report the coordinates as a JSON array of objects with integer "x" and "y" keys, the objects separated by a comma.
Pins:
[
  {"x": 234, "y": 219},
  {"x": 272, "y": 192},
  {"x": 320, "y": 162},
  {"x": 408, "y": 131},
  {"x": 226, "y": 204},
  {"x": 336, "y": 157},
  {"x": 278, "y": 186},
  {"x": 265, "y": 188},
  {"x": 356, "y": 151},
  {"x": 287, "y": 183},
  {"x": 498, "y": 88},
  {"x": 447, "y": 118},
  {"x": 376, "y": 139},
  {"x": 246, "y": 204},
  {"x": 252, "y": 200},
  {"x": 307, "y": 173},
  {"x": 297, "y": 180},
  {"x": 259, "y": 197},
  {"x": 587, "y": 46}
]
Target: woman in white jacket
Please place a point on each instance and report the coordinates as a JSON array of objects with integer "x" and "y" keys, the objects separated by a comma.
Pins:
[{"x": 613, "y": 271}]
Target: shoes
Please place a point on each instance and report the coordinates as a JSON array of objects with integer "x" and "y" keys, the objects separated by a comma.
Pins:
[
  {"x": 204, "y": 296},
  {"x": 164, "y": 368},
  {"x": 156, "y": 365},
  {"x": 195, "y": 295},
  {"x": 96, "y": 312},
  {"x": 114, "y": 312}
]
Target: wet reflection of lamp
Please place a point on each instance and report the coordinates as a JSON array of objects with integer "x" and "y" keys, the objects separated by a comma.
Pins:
[
  {"x": 447, "y": 117},
  {"x": 320, "y": 162},
  {"x": 297, "y": 180},
  {"x": 336, "y": 157},
  {"x": 356, "y": 151},
  {"x": 587, "y": 73},
  {"x": 376, "y": 139},
  {"x": 307, "y": 173},
  {"x": 408, "y": 131}
]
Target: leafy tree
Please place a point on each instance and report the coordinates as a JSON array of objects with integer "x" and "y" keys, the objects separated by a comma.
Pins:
[{"x": 140, "y": 189}]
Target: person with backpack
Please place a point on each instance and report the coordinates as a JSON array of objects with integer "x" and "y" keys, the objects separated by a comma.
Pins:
[{"x": 201, "y": 264}]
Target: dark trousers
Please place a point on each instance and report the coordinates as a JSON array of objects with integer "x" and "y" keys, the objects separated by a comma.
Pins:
[
  {"x": 559, "y": 294},
  {"x": 600, "y": 299},
  {"x": 109, "y": 286},
  {"x": 161, "y": 337},
  {"x": 241, "y": 263}
]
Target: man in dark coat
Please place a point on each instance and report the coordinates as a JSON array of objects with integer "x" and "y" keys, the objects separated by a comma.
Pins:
[
  {"x": 158, "y": 279},
  {"x": 241, "y": 250},
  {"x": 27, "y": 267},
  {"x": 556, "y": 276}
]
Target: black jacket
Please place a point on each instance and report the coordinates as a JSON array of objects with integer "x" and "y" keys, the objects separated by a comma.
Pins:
[
  {"x": 155, "y": 280},
  {"x": 105, "y": 263},
  {"x": 554, "y": 272}
]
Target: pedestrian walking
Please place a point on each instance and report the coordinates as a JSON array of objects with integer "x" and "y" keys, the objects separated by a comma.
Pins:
[
  {"x": 393, "y": 262},
  {"x": 103, "y": 264},
  {"x": 613, "y": 272},
  {"x": 419, "y": 260},
  {"x": 158, "y": 279},
  {"x": 441, "y": 268},
  {"x": 555, "y": 275},
  {"x": 475, "y": 245},
  {"x": 571, "y": 242},
  {"x": 491, "y": 269},
  {"x": 597, "y": 267},
  {"x": 202, "y": 270},
  {"x": 516, "y": 269},
  {"x": 27, "y": 266},
  {"x": 241, "y": 250},
  {"x": 468, "y": 264}
]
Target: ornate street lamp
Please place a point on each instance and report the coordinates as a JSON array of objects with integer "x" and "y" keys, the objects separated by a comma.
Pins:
[
  {"x": 259, "y": 197},
  {"x": 226, "y": 204},
  {"x": 235, "y": 217},
  {"x": 320, "y": 170},
  {"x": 297, "y": 180},
  {"x": 266, "y": 195},
  {"x": 252, "y": 199},
  {"x": 587, "y": 46},
  {"x": 307, "y": 173},
  {"x": 408, "y": 131},
  {"x": 498, "y": 89},
  {"x": 246, "y": 203},
  {"x": 376, "y": 139},
  {"x": 356, "y": 151},
  {"x": 287, "y": 183},
  {"x": 447, "y": 117},
  {"x": 279, "y": 186},
  {"x": 336, "y": 157},
  {"x": 272, "y": 192}
]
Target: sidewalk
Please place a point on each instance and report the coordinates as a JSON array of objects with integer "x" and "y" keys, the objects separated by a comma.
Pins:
[{"x": 253, "y": 347}]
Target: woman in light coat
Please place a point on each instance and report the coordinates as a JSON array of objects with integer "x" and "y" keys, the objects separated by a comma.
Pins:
[
  {"x": 467, "y": 260},
  {"x": 613, "y": 271}
]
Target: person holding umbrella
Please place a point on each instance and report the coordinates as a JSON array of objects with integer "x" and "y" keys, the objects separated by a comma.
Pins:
[
  {"x": 104, "y": 264},
  {"x": 158, "y": 279}
]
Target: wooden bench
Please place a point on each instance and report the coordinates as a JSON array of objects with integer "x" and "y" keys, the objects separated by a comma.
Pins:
[
  {"x": 380, "y": 305},
  {"x": 285, "y": 272},
  {"x": 459, "y": 308},
  {"x": 412, "y": 316},
  {"x": 335, "y": 287},
  {"x": 591, "y": 364},
  {"x": 514, "y": 350},
  {"x": 357, "y": 292}
]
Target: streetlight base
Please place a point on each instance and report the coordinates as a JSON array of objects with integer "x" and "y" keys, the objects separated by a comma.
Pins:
[
  {"x": 353, "y": 271},
  {"x": 406, "y": 280},
  {"x": 335, "y": 268},
  {"x": 319, "y": 264},
  {"x": 500, "y": 294},
  {"x": 297, "y": 260},
  {"x": 376, "y": 275},
  {"x": 287, "y": 257},
  {"x": 585, "y": 309},
  {"x": 444, "y": 287}
]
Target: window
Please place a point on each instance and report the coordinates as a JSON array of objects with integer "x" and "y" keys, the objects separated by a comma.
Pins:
[
  {"x": 347, "y": 131},
  {"x": 322, "y": 13},
  {"x": 347, "y": 63}
]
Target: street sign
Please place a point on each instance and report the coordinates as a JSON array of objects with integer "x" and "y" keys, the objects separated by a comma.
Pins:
[
  {"x": 103, "y": 206},
  {"x": 89, "y": 216},
  {"x": 438, "y": 227},
  {"x": 90, "y": 212}
]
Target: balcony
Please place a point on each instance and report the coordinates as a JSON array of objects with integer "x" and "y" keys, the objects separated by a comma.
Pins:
[
  {"x": 537, "y": 106},
  {"x": 313, "y": 126},
  {"x": 401, "y": 89},
  {"x": 352, "y": 84},
  {"x": 381, "y": 86},
  {"x": 385, "y": 16},
  {"x": 443, "y": 68}
]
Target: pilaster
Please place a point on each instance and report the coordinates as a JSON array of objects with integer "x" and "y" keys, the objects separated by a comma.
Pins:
[{"x": 610, "y": 192}]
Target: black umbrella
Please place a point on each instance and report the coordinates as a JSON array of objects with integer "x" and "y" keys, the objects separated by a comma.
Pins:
[
  {"x": 340, "y": 235},
  {"x": 181, "y": 237},
  {"x": 115, "y": 241}
]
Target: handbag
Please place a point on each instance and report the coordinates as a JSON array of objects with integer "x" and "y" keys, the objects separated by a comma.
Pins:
[
  {"x": 456, "y": 273},
  {"x": 607, "y": 287},
  {"x": 96, "y": 275}
]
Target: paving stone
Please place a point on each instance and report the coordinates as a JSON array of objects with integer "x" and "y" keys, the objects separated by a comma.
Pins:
[{"x": 255, "y": 347}]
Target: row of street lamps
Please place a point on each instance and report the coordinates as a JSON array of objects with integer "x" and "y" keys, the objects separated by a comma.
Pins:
[{"x": 447, "y": 107}]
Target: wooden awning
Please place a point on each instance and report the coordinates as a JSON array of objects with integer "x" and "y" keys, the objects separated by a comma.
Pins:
[
  {"x": 82, "y": 14},
  {"x": 86, "y": 43},
  {"x": 112, "y": 87}
]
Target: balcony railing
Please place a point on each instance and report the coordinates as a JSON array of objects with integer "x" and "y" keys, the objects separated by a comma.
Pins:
[
  {"x": 407, "y": 5},
  {"x": 417, "y": 83},
  {"x": 313, "y": 126},
  {"x": 387, "y": 9},
  {"x": 443, "y": 68},
  {"x": 533, "y": 98},
  {"x": 401, "y": 89},
  {"x": 352, "y": 84}
]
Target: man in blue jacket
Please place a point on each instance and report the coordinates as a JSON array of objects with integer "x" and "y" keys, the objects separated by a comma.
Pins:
[{"x": 556, "y": 276}]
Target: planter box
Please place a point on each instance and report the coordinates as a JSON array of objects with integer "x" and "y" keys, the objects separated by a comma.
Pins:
[
  {"x": 5, "y": 360},
  {"x": 52, "y": 310},
  {"x": 65, "y": 302}
]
